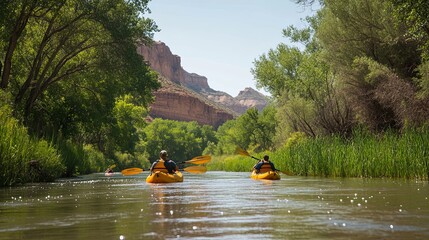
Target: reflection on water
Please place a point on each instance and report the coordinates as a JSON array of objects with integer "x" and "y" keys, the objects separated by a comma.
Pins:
[{"x": 216, "y": 205}]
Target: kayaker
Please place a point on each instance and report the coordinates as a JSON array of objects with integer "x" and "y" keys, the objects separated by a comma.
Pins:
[
  {"x": 163, "y": 164},
  {"x": 264, "y": 165}
]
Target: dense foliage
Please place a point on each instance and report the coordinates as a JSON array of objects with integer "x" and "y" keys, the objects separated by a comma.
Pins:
[
  {"x": 43, "y": 160},
  {"x": 181, "y": 140},
  {"x": 253, "y": 130},
  {"x": 357, "y": 65},
  {"x": 73, "y": 74},
  {"x": 74, "y": 93}
]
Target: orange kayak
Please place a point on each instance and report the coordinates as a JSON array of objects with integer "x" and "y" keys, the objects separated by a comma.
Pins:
[
  {"x": 270, "y": 175},
  {"x": 162, "y": 177}
]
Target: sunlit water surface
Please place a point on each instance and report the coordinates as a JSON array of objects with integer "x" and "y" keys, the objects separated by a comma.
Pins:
[{"x": 216, "y": 205}]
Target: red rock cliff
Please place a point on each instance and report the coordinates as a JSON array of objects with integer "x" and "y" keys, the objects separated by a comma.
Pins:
[
  {"x": 174, "y": 102},
  {"x": 192, "y": 99},
  {"x": 168, "y": 65}
]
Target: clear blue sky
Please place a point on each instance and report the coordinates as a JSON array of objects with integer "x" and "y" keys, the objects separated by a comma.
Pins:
[{"x": 220, "y": 39}]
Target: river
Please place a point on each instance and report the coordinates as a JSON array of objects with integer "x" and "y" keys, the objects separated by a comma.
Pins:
[{"x": 216, "y": 205}]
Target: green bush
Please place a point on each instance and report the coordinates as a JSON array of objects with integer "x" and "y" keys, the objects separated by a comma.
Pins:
[{"x": 22, "y": 158}]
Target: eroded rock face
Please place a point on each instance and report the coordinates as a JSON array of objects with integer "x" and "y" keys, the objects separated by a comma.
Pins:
[
  {"x": 183, "y": 107},
  {"x": 195, "y": 82},
  {"x": 202, "y": 104},
  {"x": 246, "y": 99},
  {"x": 163, "y": 61}
]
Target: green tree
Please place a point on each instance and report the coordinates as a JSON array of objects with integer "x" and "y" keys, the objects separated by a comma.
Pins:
[
  {"x": 129, "y": 118},
  {"x": 276, "y": 71},
  {"x": 182, "y": 140},
  {"x": 268, "y": 127},
  {"x": 304, "y": 86},
  {"x": 363, "y": 28},
  {"x": 74, "y": 39},
  {"x": 356, "y": 36},
  {"x": 252, "y": 129},
  {"x": 228, "y": 139},
  {"x": 415, "y": 13},
  {"x": 66, "y": 62}
]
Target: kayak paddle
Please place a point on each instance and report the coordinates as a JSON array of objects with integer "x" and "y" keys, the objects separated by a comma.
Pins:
[
  {"x": 244, "y": 153},
  {"x": 199, "y": 160},
  {"x": 131, "y": 171}
]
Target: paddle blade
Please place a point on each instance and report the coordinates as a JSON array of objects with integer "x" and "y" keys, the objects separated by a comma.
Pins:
[
  {"x": 200, "y": 159},
  {"x": 196, "y": 169},
  {"x": 131, "y": 171},
  {"x": 112, "y": 166},
  {"x": 241, "y": 151}
]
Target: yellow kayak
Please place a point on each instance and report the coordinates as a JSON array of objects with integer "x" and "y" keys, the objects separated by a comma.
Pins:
[
  {"x": 270, "y": 175},
  {"x": 162, "y": 177}
]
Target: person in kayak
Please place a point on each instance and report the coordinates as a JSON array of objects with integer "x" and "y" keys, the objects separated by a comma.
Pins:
[
  {"x": 163, "y": 164},
  {"x": 264, "y": 165}
]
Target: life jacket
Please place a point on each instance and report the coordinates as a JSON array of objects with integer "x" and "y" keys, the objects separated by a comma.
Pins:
[
  {"x": 266, "y": 167},
  {"x": 160, "y": 166}
]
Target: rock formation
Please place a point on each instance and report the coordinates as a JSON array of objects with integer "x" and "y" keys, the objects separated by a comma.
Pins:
[
  {"x": 188, "y": 97},
  {"x": 175, "y": 102},
  {"x": 246, "y": 99},
  {"x": 162, "y": 60}
]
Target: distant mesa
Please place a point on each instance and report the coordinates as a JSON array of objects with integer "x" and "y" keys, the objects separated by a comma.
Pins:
[{"x": 188, "y": 97}]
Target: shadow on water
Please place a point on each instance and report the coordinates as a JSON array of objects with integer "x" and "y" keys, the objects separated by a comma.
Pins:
[{"x": 216, "y": 205}]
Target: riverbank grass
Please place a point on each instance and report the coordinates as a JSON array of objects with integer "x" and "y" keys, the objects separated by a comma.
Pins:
[
  {"x": 392, "y": 155},
  {"x": 366, "y": 155},
  {"x": 22, "y": 158}
]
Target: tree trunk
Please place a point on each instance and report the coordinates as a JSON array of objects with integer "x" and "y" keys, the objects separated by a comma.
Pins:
[{"x": 20, "y": 24}]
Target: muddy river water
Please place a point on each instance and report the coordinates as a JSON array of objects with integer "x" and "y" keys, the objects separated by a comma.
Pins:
[{"x": 216, "y": 205}]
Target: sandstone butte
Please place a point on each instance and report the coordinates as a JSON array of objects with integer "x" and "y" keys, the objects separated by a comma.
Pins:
[{"x": 188, "y": 97}]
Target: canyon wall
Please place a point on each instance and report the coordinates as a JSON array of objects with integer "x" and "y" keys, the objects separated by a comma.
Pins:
[
  {"x": 188, "y": 97},
  {"x": 176, "y": 103}
]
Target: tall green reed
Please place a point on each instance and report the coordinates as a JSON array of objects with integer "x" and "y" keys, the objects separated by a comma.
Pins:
[
  {"x": 22, "y": 158},
  {"x": 389, "y": 154}
]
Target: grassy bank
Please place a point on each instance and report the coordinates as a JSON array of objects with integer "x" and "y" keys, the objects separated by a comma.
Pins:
[
  {"x": 389, "y": 155},
  {"x": 231, "y": 163},
  {"x": 392, "y": 155},
  {"x": 22, "y": 158}
]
